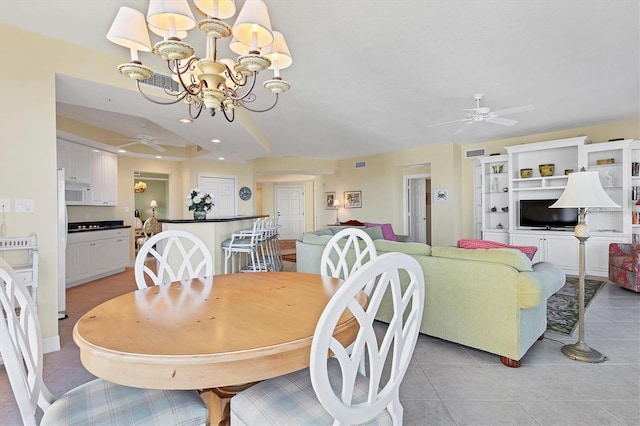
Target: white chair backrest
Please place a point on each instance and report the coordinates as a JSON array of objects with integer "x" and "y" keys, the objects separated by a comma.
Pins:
[
  {"x": 150, "y": 227},
  {"x": 396, "y": 345},
  {"x": 335, "y": 257},
  {"x": 179, "y": 255},
  {"x": 20, "y": 345}
]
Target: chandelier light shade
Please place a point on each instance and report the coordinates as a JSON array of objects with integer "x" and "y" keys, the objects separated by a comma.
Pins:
[
  {"x": 205, "y": 82},
  {"x": 583, "y": 191}
]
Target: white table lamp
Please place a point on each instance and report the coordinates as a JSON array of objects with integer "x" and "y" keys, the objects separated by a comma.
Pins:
[
  {"x": 583, "y": 191},
  {"x": 153, "y": 204},
  {"x": 336, "y": 204}
]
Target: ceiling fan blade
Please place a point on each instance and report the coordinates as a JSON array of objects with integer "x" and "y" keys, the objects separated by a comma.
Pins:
[
  {"x": 154, "y": 146},
  {"x": 128, "y": 144},
  {"x": 501, "y": 121},
  {"x": 515, "y": 110},
  {"x": 463, "y": 127},
  {"x": 449, "y": 122}
]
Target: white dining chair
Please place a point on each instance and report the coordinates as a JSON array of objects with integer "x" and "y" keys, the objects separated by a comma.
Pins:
[
  {"x": 332, "y": 389},
  {"x": 178, "y": 255},
  {"x": 95, "y": 402},
  {"x": 346, "y": 252}
]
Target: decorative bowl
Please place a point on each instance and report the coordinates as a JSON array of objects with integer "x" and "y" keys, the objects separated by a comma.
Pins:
[
  {"x": 526, "y": 173},
  {"x": 567, "y": 171},
  {"x": 497, "y": 168},
  {"x": 547, "y": 169}
]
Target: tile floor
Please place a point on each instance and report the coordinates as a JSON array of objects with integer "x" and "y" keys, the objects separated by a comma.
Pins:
[{"x": 448, "y": 384}]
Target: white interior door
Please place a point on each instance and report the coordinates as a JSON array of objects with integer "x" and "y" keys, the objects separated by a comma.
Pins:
[
  {"x": 290, "y": 211},
  {"x": 417, "y": 209},
  {"x": 223, "y": 189}
]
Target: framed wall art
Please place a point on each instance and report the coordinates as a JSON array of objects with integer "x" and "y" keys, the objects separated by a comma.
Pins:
[
  {"x": 441, "y": 195},
  {"x": 329, "y": 198},
  {"x": 352, "y": 199}
]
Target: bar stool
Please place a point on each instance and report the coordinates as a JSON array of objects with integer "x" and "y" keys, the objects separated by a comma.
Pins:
[{"x": 243, "y": 242}]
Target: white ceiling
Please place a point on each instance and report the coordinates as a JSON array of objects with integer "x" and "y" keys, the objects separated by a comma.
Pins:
[{"x": 370, "y": 76}]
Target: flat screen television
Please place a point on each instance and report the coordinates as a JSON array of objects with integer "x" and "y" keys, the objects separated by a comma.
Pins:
[{"x": 537, "y": 214}]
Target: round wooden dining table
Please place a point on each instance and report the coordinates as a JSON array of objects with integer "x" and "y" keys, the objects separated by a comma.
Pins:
[{"x": 209, "y": 333}]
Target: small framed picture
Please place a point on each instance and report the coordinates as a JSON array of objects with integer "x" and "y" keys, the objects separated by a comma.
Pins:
[
  {"x": 441, "y": 195},
  {"x": 329, "y": 198},
  {"x": 352, "y": 199}
]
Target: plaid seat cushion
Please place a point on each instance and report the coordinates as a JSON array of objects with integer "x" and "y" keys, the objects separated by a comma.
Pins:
[
  {"x": 104, "y": 403},
  {"x": 291, "y": 400}
]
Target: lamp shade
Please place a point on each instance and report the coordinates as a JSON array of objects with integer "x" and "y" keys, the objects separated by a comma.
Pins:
[
  {"x": 278, "y": 52},
  {"x": 153, "y": 204},
  {"x": 171, "y": 15},
  {"x": 336, "y": 203},
  {"x": 584, "y": 190},
  {"x": 253, "y": 25},
  {"x": 221, "y": 9},
  {"x": 130, "y": 30}
]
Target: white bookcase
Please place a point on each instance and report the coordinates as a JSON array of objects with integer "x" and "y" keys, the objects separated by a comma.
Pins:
[{"x": 493, "y": 191}]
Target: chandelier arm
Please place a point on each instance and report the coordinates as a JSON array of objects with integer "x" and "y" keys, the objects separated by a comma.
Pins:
[
  {"x": 200, "y": 105},
  {"x": 238, "y": 78},
  {"x": 233, "y": 115},
  {"x": 260, "y": 110},
  {"x": 193, "y": 88},
  {"x": 249, "y": 91},
  {"x": 179, "y": 96}
]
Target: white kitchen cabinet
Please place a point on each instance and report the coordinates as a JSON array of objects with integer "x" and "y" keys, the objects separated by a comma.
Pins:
[
  {"x": 104, "y": 181},
  {"x": 76, "y": 161},
  {"x": 558, "y": 247},
  {"x": 96, "y": 254}
]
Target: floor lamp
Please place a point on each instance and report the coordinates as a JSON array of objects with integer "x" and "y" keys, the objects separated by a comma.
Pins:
[
  {"x": 336, "y": 205},
  {"x": 154, "y": 205},
  {"x": 583, "y": 191}
]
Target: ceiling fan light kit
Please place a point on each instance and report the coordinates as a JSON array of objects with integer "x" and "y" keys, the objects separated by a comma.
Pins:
[
  {"x": 483, "y": 114},
  {"x": 207, "y": 83}
]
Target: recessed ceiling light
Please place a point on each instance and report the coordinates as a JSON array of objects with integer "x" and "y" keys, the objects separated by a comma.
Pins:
[
  {"x": 220, "y": 158},
  {"x": 216, "y": 140},
  {"x": 158, "y": 156},
  {"x": 185, "y": 120},
  {"x": 122, "y": 150}
]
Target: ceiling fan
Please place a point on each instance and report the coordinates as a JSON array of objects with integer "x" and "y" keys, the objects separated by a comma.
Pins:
[
  {"x": 481, "y": 114},
  {"x": 143, "y": 138}
]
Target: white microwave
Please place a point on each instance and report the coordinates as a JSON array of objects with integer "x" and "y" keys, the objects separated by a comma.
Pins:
[{"x": 76, "y": 193}]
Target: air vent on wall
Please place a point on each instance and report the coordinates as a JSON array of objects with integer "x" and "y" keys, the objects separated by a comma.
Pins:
[
  {"x": 162, "y": 81},
  {"x": 360, "y": 164},
  {"x": 470, "y": 153}
]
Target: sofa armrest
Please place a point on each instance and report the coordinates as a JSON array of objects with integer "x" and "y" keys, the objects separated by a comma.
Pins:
[
  {"x": 538, "y": 285},
  {"x": 621, "y": 249}
]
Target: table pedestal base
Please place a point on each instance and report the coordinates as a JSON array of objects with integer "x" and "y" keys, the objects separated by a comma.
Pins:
[{"x": 219, "y": 399}]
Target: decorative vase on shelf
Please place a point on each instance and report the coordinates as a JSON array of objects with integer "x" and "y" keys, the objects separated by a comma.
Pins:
[{"x": 199, "y": 215}]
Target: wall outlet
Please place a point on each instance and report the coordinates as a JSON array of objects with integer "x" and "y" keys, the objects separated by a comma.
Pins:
[
  {"x": 5, "y": 205},
  {"x": 126, "y": 209}
]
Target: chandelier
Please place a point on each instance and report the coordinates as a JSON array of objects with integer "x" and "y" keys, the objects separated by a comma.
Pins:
[{"x": 208, "y": 83}]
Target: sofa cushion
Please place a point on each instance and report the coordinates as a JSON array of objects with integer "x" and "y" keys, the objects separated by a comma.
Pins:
[
  {"x": 387, "y": 230},
  {"x": 311, "y": 238},
  {"x": 469, "y": 243},
  {"x": 407, "y": 248},
  {"x": 328, "y": 231},
  {"x": 374, "y": 232},
  {"x": 511, "y": 257}
]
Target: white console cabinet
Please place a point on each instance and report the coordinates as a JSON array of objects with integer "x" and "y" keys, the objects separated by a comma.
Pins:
[
  {"x": 559, "y": 247},
  {"x": 96, "y": 254}
]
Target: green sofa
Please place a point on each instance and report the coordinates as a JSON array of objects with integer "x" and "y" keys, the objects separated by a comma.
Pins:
[{"x": 494, "y": 300}]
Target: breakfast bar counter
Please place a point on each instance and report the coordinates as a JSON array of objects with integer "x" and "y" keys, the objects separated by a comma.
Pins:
[{"x": 212, "y": 232}]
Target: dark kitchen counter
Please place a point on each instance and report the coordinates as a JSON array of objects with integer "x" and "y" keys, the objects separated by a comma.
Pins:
[{"x": 74, "y": 227}]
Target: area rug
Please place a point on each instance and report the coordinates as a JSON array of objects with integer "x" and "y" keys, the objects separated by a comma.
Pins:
[{"x": 562, "y": 307}]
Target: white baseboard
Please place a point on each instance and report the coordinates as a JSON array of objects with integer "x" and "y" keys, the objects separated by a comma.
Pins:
[{"x": 51, "y": 344}]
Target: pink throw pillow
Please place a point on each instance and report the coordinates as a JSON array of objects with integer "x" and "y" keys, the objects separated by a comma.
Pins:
[
  {"x": 469, "y": 243},
  {"x": 387, "y": 230}
]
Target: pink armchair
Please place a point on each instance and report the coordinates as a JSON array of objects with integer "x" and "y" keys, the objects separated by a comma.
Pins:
[{"x": 624, "y": 265}]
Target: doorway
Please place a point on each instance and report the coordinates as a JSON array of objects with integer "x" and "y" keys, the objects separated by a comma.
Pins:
[
  {"x": 153, "y": 187},
  {"x": 223, "y": 190},
  {"x": 290, "y": 211},
  {"x": 418, "y": 207}
]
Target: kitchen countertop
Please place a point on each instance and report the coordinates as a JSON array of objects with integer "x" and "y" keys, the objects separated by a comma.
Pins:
[
  {"x": 74, "y": 227},
  {"x": 219, "y": 219}
]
